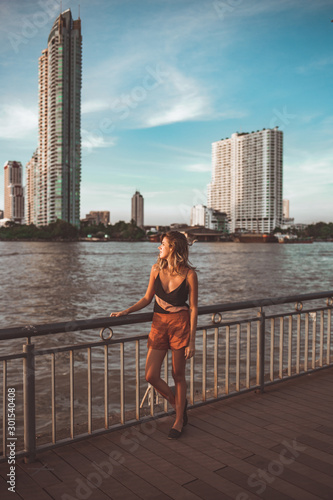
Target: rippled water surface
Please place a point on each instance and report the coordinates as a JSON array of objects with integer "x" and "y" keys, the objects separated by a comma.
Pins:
[{"x": 48, "y": 282}]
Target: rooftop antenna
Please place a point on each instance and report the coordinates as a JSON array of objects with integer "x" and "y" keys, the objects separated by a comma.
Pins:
[
  {"x": 60, "y": 7},
  {"x": 79, "y": 11}
]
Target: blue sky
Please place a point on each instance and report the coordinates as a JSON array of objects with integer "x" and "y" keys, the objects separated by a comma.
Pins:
[{"x": 163, "y": 79}]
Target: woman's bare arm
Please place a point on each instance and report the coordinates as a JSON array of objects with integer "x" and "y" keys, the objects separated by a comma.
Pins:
[
  {"x": 148, "y": 297},
  {"x": 192, "y": 280}
]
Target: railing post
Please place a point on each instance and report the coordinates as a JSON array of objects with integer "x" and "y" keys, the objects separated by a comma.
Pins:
[
  {"x": 261, "y": 353},
  {"x": 29, "y": 402}
]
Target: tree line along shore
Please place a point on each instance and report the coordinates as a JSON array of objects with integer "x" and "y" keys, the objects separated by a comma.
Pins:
[
  {"x": 121, "y": 231},
  {"x": 64, "y": 231}
]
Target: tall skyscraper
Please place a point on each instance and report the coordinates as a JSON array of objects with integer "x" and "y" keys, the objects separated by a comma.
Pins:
[
  {"x": 137, "y": 209},
  {"x": 14, "y": 198},
  {"x": 59, "y": 159},
  {"x": 247, "y": 180},
  {"x": 31, "y": 189}
]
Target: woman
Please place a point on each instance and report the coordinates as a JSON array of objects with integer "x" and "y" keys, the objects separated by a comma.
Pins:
[{"x": 172, "y": 280}]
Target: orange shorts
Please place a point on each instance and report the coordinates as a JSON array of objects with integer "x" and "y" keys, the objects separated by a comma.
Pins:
[{"x": 169, "y": 331}]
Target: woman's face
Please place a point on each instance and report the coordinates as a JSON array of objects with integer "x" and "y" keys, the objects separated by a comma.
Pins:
[{"x": 164, "y": 249}]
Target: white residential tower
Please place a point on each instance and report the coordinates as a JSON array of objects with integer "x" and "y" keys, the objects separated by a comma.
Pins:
[{"x": 247, "y": 180}]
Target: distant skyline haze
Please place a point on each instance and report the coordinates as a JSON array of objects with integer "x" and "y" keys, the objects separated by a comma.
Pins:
[{"x": 162, "y": 81}]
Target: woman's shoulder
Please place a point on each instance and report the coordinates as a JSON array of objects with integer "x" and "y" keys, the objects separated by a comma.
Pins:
[
  {"x": 190, "y": 271},
  {"x": 155, "y": 269},
  {"x": 191, "y": 274}
]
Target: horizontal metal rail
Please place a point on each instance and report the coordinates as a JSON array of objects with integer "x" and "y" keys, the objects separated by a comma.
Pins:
[
  {"x": 232, "y": 357},
  {"x": 29, "y": 331}
]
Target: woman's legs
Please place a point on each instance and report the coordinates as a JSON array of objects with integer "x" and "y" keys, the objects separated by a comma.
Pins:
[
  {"x": 153, "y": 374},
  {"x": 178, "y": 373}
]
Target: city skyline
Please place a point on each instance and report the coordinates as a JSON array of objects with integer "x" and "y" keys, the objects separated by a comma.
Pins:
[{"x": 162, "y": 82}]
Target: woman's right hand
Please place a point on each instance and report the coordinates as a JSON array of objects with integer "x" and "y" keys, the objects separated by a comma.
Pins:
[{"x": 120, "y": 313}]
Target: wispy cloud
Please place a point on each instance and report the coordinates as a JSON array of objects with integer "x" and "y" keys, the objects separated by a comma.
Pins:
[
  {"x": 176, "y": 98},
  {"x": 162, "y": 95},
  {"x": 198, "y": 167},
  {"x": 94, "y": 105},
  {"x": 305, "y": 173},
  {"x": 186, "y": 152},
  {"x": 315, "y": 65},
  {"x": 93, "y": 140},
  {"x": 17, "y": 121}
]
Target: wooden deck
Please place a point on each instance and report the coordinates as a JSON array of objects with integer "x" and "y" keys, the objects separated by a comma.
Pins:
[{"x": 276, "y": 446}]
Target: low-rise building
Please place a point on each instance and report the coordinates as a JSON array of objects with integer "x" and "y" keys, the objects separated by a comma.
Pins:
[
  {"x": 209, "y": 218},
  {"x": 97, "y": 217}
]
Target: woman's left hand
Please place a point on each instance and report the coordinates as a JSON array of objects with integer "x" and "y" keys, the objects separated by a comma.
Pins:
[{"x": 189, "y": 351}]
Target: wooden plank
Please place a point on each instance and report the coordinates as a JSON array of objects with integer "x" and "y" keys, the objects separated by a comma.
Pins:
[
  {"x": 288, "y": 430},
  {"x": 244, "y": 424},
  {"x": 136, "y": 445},
  {"x": 242, "y": 467},
  {"x": 153, "y": 478},
  {"x": 101, "y": 460},
  {"x": 305, "y": 400},
  {"x": 270, "y": 415},
  {"x": 245, "y": 482},
  {"x": 68, "y": 491},
  {"x": 325, "y": 469},
  {"x": 5, "y": 494},
  {"x": 316, "y": 443},
  {"x": 271, "y": 455},
  {"x": 320, "y": 397},
  {"x": 39, "y": 472},
  {"x": 310, "y": 487},
  {"x": 26, "y": 487},
  {"x": 222, "y": 485},
  {"x": 206, "y": 491},
  {"x": 245, "y": 431},
  {"x": 325, "y": 430},
  {"x": 276, "y": 402},
  {"x": 107, "y": 482},
  {"x": 153, "y": 459}
]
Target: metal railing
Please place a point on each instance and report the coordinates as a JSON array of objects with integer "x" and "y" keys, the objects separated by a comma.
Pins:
[{"x": 98, "y": 386}]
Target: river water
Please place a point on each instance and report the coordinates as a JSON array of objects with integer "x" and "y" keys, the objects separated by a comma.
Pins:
[
  {"x": 44, "y": 282},
  {"x": 49, "y": 282}
]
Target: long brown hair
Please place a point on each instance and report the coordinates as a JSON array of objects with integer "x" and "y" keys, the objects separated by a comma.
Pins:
[{"x": 179, "y": 252}]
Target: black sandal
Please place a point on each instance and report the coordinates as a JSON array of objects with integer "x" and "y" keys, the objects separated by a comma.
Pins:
[{"x": 174, "y": 434}]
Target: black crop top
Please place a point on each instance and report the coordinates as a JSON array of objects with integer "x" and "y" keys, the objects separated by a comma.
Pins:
[{"x": 173, "y": 301}]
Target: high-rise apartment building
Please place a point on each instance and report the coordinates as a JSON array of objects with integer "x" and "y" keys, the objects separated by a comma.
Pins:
[
  {"x": 286, "y": 209},
  {"x": 198, "y": 215},
  {"x": 137, "y": 209},
  {"x": 58, "y": 175},
  {"x": 14, "y": 198},
  {"x": 31, "y": 189},
  {"x": 247, "y": 180}
]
